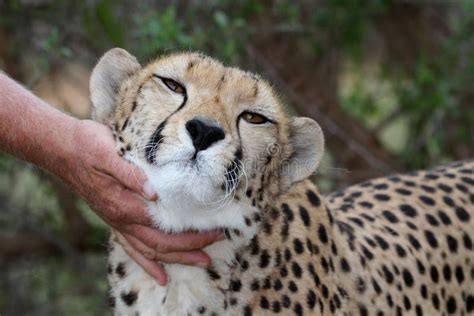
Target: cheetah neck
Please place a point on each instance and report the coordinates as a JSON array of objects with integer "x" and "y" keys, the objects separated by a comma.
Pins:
[{"x": 292, "y": 242}]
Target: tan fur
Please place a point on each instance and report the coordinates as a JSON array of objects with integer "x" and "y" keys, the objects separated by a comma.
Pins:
[{"x": 298, "y": 252}]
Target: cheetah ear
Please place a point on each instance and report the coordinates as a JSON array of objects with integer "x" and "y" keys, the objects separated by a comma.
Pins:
[
  {"x": 115, "y": 66},
  {"x": 307, "y": 141}
]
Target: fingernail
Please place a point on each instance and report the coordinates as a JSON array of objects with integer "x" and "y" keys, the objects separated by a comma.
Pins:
[
  {"x": 149, "y": 192},
  {"x": 161, "y": 281},
  {"x": 202, "y": 264}
]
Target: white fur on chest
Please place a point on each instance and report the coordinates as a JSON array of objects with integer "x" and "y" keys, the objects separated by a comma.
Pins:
[{"x": 188, "y": 287}]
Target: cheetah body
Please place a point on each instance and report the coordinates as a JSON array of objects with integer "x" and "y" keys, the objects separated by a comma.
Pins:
[{"x": 396, "y": 245}]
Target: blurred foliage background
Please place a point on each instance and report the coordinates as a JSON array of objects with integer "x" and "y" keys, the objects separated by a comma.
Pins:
[{"x": 390, "y": 82}]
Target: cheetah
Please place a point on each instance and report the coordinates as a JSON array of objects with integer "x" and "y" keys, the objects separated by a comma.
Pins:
[{"x": 218, "y": 146}]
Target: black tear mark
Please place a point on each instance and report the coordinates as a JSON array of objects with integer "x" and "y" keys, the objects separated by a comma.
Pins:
[{"x": 153, "y": 143}]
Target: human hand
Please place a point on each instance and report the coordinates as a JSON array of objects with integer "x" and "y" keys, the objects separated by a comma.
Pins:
[{"x": 110, "y": 185}]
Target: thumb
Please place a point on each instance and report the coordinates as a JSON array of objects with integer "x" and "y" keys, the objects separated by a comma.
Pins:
[{"x": 132, "y": 177}]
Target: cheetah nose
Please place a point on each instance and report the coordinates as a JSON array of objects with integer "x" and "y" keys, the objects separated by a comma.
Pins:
[{"x": 203, "y": 133}]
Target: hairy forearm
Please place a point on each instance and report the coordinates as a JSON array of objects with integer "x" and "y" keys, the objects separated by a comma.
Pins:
[{"x": 32, "y": 130}]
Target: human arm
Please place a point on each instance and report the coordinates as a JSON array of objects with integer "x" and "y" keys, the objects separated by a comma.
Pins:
[{"x": 82, "y": 153}]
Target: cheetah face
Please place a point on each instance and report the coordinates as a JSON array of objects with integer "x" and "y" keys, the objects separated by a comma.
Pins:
[{"x": 204, "y": 133}]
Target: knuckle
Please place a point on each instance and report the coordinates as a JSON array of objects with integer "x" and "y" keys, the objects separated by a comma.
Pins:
[{"x": 148, "y": 254}]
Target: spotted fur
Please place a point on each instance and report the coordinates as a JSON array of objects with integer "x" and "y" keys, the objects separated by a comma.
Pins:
[{"x": 399, "y": 245}]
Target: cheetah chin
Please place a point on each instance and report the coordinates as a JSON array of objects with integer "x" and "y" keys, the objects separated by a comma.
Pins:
[{"x": 219, "y": 148}]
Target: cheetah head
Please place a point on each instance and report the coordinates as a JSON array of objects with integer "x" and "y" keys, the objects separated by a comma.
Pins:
[{"x": 210, "y": 138}]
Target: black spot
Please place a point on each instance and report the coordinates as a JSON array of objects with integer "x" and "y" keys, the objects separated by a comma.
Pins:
[
  {"x": 406, "y": 302},
  {"x": 462, "y": 214},
  {"x": 283, "y": 272},
  {"x": 376, "y": 286},
  {"x": 244, "y": 265},
  {"x": 390, "y": 216},
  {"x": 213, "y": 274},
  {"x": 305, "y": 216},
  {"x": 414, "y": 242},
  {"x": 325, "y": 291},
  {"x": 427, "y": 188},
  {"x": 424, "y": 291},
  {"x": 445, "y": 188},
  {"x": 255, "y": 285},
  {"x": 366, "y": 204},
  {"x": 235, "y": 285},
  {"x": 447, "y": 272},
  {"x": 298, "y": 309},
  {"x": 382, "y": 197},
  {"x": 323, "y": 236},
  {"x": 467, "y": 180},
  {"x": 435, "y": 300},
  {"x": 248, "y": 193},
  {"x": 381, "y": 186},
  {"x": 459, "y": 274},
  {"x": 461, "y": 187},
  {"x": 388, "y": 274},
  {"x": 285, "y": 231},
  {"x": 467, "y": 241},
  {"x": 111, "y": 301},
  {"x": 427, "y": 200},
  {"x": 403, "y": 191},
  {"x": 452, "y": 243},
  {"x": 420, "y": 266},
  {"x": 313, "y": 198},
  {"x": 431, "y": 239},
  {"x": 247, "y": 311},
  {"x": 448, "y": 201},
  {"x": 360, "y": 285},
  {"x": 434, "y": 274},
  {"x": 287, "y": 254},
  {"x": 288, "y": 212},
  {"x": 381, "y": 242},
  {"x": 408, "y": 278},
  {"x": 311, "y": 299},
  {"x": 277, "y": 285},
  {"x": 345, "y": 265},
  {"x": 400, "y": 251},
  {"x": 357, "y": 221},
  {"x": 285, "y": 301},
  {"x": 247, "y": 220},
  {"x": 129, "y": 298},
  {"x": 264, "y": 259},
  {"x": 292, "y": 287},
  {"x": 432, "y": 220},
  {"x": 469, "y": 303},
  {"x": 120, "y": 270},
  {"x": 363, "y": 310},
  {"x": 264, "y": 303},
  {"x": 411, "y": 225},
  {"x": 408, "y": 210},
  {"x": 298, "y": 246},
  {"x": 451, "y": 305},
  {"x": 444, "y": 218},
  {"x": 297, "y": 271},
  {"x": 201, "y": 310},
  {"x": 369, "y": 255}
]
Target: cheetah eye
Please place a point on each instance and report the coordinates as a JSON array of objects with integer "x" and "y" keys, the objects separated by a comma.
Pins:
[
  {"x": 173, "y": 85},
  {"x": 254, "y": 118}
]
